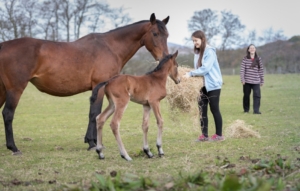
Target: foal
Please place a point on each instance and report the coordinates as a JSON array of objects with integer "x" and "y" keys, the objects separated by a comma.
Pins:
[{"x": 146, "y": 90}]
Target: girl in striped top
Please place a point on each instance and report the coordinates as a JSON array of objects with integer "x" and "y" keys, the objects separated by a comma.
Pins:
[{"x": 252, "y": 77}]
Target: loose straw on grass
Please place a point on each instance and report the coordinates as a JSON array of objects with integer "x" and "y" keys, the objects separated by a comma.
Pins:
[{"x": 238, "y": 129}]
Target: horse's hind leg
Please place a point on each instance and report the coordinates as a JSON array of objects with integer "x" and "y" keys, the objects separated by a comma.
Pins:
[
  {"x": 12, "y": 100},
  {"x": 145, "y": 127},
  {"x": 159, "y": 120},
  {"x": 100, "y": 119},
  {"x": 95, "y": 110}
]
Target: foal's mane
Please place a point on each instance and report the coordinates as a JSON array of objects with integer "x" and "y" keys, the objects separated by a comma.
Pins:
[{"x": 161, "y": 63}]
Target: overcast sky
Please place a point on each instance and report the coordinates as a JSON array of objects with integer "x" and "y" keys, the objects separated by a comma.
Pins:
[{"x": 256, "y": 15}]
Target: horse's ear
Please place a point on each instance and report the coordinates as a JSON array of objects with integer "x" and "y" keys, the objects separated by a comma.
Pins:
[
  {"x": 175, "y": 54},
  {"x": 166, "y": 20},
  {"x": 152, "y": 19}
]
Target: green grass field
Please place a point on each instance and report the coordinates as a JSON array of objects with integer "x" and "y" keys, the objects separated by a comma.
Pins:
[{"x": 50, "y": 132}]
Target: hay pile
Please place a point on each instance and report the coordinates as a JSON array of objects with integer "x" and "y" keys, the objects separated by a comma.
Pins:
[
  {"x": 183, "y": 96},
  {"x": 238, "y": 129}
]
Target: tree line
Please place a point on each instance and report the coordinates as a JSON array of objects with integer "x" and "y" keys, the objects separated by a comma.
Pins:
[
  {"x": 57, "y": 20},
  {"x": 67, "y": 20},
  {"x": 225, "y": 31},
  {"x": 278, "y": 57}
]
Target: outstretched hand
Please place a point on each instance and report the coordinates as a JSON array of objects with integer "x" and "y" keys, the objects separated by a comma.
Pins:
[{"x": 186, "y": 75}]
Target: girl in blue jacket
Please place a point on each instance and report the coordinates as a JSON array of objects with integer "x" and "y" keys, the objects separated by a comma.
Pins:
[{"x": 206, "y": 65}]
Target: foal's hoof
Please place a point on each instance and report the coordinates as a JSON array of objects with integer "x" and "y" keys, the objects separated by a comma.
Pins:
[
  {"x": 17, "y": 153},
  {"x": 148, "y": 153},
  {"x": 100, "y": 154},
  {"x": 101, "y": 157},
  {"x": 161, "y": 154},
  {"x": 126, "y": 158}
]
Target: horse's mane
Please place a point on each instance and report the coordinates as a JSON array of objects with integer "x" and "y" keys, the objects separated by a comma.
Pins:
[
  {"x": 161, "y": 63},
  {"x": 161, "y": 26}
]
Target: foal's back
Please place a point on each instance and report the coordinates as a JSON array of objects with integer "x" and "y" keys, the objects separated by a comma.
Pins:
[{"x": 139, "y": 89}]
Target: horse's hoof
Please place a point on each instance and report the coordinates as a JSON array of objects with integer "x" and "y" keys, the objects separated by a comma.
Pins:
[
  {"x": 161, "y": 154},
  {"x": 91, "y": 148},
  {"x": 17, "y": 153}
]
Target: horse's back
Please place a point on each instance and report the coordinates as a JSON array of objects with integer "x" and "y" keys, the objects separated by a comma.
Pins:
[{"x": 56, "y": 68}]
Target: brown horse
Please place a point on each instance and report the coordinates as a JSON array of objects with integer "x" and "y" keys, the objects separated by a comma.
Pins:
[
  {"x": 69, "y": 68},
  {"x": 147, "y": 90}
]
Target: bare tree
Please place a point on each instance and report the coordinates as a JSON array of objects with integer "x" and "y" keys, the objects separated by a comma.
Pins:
[
  {"x": 3, "y": 26},
  {"x": 250, "y": 38},
  {"x": 30, "y": 16},
  {"x": 47, "y": 26},
  {"x": 18, "y": 19},
  {"x": 57, "y": 19},
  {"x": 49, "y": 20},
  {"x": 270, "y": 35},
  {"x": 67, "y": 12},
  {"x": 231, "y": 30},
  {"x": 207, "y": 21},
  {"x": 12, "y": 20},
  {"x": 119, "y": 17},
  {"x": 97, "y": 17},
  {"x": 82, "y": 7}
]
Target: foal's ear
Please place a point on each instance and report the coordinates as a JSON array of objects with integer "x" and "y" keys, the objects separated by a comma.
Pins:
[
  {"x": 166, "y": 20},
  {"x": 152, "y": 19}
]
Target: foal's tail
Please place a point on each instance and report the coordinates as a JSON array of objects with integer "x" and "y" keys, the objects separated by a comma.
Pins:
[{"x": 94, "y": 96}]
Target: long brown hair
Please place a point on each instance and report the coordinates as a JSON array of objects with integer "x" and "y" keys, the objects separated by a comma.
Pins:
[
  {"x": 200, "y": 34},
  {"x": 256, "y": 61}
]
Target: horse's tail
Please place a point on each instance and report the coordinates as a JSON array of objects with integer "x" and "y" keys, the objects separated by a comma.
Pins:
[{"x": 93, "y": 98}]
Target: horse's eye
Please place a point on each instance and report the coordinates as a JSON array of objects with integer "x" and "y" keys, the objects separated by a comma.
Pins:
[{"x": 155, "y": 34}]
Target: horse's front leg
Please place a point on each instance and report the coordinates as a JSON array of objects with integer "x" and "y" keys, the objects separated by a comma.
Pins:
[
  {"x": 159, "y": 121},
  {"x": 12, "y": 99},
  {"x": 145, "y": 127},
  {"x": 95, "y": 110}
]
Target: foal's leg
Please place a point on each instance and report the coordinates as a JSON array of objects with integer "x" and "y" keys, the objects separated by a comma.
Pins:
[
  {"x": 115, "y": 125},
  {"x": 159, "y": 121},
  {"x": 12, "y": 100},
  {"x": 145, "y": 127},
  {"x": 100, "y": 119}
]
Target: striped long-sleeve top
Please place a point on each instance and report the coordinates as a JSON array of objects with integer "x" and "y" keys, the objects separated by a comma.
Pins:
[{"x": 251, "y": 75}]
